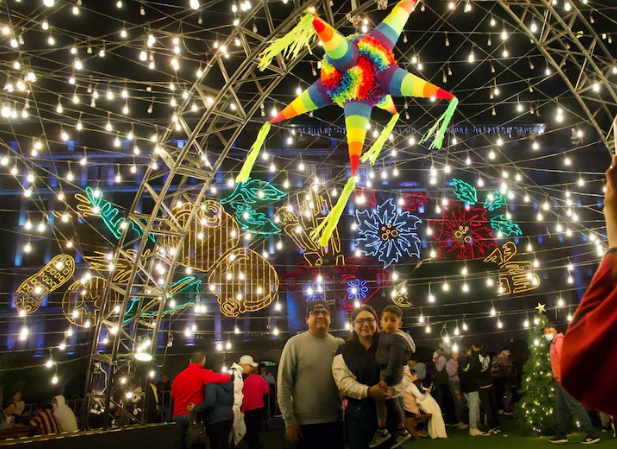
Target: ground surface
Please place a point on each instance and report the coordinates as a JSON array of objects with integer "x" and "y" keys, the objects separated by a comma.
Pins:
[{"x": 513, "y": 436}]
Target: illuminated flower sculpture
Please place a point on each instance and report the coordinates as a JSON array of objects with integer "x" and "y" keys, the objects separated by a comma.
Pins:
[
  {"x": 357, "y": 290},
  {"x": 464, "y": 232},
  {"x": 388, "y": 233}
]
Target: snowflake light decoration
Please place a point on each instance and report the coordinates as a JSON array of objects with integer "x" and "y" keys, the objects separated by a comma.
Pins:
[
  {"x": 357, "y": 290},
  {"x": 313, "y": 292},
  {"x": 463, "y": 231},
  {"x": 387, "y": 233}
]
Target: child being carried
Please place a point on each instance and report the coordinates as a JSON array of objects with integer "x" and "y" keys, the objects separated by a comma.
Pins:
[{"x": 393, "y": 353}]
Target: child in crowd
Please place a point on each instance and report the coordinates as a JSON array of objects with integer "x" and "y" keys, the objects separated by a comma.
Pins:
[{"x": 393, "y": 353}]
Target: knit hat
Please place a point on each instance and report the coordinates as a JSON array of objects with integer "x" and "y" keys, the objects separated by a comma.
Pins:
[
  {"x": 549, "y": 325},
  {"x": 420, "y": 368}
]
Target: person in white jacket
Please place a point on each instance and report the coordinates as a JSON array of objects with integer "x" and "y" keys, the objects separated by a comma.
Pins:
[
  {"x": 436, "y": 425},
  {"x": 239, "y": 427},
  {"x": 63, "y": 414}
]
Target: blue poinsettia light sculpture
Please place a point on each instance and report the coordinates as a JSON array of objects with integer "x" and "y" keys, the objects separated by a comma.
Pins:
[{"x": 387, "y": 233}]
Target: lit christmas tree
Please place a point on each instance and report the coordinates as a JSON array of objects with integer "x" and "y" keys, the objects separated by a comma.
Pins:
[{"x": 537, "y": 405}]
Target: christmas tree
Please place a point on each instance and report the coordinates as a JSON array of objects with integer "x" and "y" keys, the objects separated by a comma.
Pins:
[{"x": 537, "y": 405}]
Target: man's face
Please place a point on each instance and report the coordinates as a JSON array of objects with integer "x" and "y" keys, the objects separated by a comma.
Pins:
[
  {"x": 550, "y": 330},
  {"x": 262, "y": 370},
  {"x": 10, "y": 410},
  {"x": 319, "y": 319},
  {"x": 455, "y": 355},
  {"x": 17, "y": 397},
  {"x": 164, "y": 378}
]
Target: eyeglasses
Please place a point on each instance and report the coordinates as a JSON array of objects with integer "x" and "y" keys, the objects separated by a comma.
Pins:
[
  {"x": 362, "y": 321},
  {"x": 320, "y": 312}
]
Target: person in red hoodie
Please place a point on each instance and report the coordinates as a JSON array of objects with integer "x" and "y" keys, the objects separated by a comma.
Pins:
[
  {"x": 255, "y": 387},
  {"x": 589, "y": 348},
  {"x": 188, "y": 388},
  {"x": 563, "y": 401}
]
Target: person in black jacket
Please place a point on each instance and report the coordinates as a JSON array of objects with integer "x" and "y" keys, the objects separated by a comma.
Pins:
[
  {"x": 480, "y": 365},
  {"x": 469, "y": 388},
  {"x": 217, "y": 413}
]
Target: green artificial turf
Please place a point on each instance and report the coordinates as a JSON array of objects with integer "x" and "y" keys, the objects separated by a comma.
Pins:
[{"x": 513, "y": 436}]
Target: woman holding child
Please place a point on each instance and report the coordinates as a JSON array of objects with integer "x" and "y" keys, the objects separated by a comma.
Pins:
[{"x": 357, "y": 375}]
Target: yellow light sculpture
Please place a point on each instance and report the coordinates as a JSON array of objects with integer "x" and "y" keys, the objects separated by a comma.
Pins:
[{"x": 52, "y": 276}]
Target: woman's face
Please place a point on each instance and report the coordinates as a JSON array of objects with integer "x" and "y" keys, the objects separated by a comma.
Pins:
[{"x": 365, "y": 324}]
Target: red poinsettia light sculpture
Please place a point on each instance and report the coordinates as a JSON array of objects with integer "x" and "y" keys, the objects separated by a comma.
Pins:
[{"x": 463, "y": 231}]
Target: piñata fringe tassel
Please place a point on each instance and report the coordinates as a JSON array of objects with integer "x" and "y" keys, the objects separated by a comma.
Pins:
[
  {"x": 442, "y": 123},
  {"x": 373, "y": 153},
  {"x": 327, "y": 227},
  {"x": 245, "y": 172},
  {"x": 292, "y": 43}
]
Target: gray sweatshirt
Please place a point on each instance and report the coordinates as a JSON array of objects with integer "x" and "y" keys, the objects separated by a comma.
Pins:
[{"x": 307, "y": 393}]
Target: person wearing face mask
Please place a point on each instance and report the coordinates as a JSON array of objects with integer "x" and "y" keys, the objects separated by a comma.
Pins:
[
  {"x": 63, "y": 414},
  {"x": 565, "y": 403},
  {"x": 311, "y": 405}
]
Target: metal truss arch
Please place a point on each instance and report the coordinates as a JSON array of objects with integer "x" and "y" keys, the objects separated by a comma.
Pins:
[
  {"x": 561, "y": 40},
  {"x": 138, "y": 331}
]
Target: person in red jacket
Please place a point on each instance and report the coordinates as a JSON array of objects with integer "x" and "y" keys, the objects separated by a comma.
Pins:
[
  {"x": 563, "y": 401},
  {"x": 188, "y": 388},
  {"x": 255, "y": 387},
  {"x": 589, "y": 348}
]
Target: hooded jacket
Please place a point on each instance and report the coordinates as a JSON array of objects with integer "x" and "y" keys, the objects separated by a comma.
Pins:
[
  {"x": 64, "y": 415},
  {"x": 393, "y": 353},
  {"x": 481, "y": 369},
  {"x": 218, "y": 406}
]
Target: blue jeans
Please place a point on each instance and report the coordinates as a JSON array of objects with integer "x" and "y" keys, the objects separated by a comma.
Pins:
[
  {"x": 565, "y": 403},
  {"x": 458, "y": 404},
  {"x": 473, "y": 401}
]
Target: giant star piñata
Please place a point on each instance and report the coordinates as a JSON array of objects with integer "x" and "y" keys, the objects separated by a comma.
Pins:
[{"x": 357, "y": 73}]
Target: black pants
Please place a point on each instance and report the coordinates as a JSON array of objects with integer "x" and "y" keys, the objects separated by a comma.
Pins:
[
  {"x": 323, "y": 436},
  {"x": 218, "y": 434},
  {"x": 252, "y": 419},
  {"x": 488, "y": 400},
  {"x": 182, "y": 422}
]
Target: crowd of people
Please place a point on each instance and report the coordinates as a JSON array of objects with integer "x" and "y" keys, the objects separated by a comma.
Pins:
[
  {"x": 43, "y": 419},
  {"x": 364, "y": 392}
]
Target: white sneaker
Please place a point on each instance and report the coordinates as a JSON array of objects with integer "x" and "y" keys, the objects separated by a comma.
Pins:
[{"x": 477, "y": 433}]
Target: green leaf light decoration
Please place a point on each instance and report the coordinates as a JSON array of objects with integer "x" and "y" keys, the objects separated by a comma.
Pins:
[
  {"x": 505, "y": 225},
  {"x": 465, "y": 192},
  {"x": 495, "y": 200},
  {"x": 254, "y": 192}
]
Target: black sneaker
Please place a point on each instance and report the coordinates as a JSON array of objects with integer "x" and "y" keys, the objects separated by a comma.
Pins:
[
  {"x": 589, "y": 440},
  {"x": 380, "y": 437},
  {"x": 400, "y": 438},
  {"x": 558, "y": 440}
]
